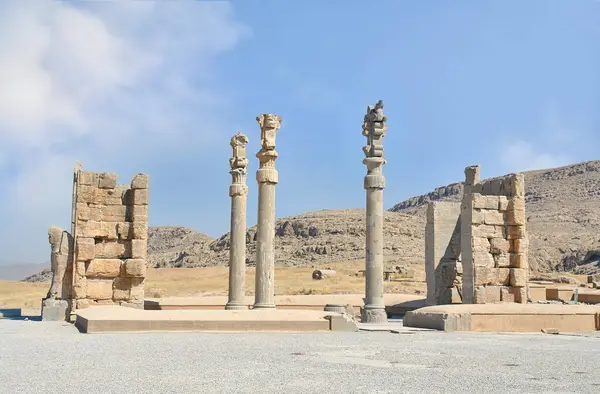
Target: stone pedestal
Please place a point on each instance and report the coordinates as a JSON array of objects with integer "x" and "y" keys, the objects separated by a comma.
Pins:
[
  {"x": 267, "y": 178},
  {"x": 237, "y": 250},
  {"x": 55, "y": 310},
  {"x": 374, "y": 129}
]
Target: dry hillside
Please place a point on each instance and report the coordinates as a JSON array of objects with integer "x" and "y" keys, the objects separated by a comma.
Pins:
[{"x": 563, "y": 209}]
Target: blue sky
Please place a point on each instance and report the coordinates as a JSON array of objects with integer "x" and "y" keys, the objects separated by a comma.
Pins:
[{"x": 160, "y": 88}]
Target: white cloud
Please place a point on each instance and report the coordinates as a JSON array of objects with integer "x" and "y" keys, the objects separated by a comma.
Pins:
[
  {"x": 523, "y": 156},
  {"x": 97, "y": 80}
]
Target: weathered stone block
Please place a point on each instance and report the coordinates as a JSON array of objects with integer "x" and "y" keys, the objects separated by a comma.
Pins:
[
  {"x": 487, "y": 231},
  {"x": 492, "y": 276},
  {"x": 515, "y": 217},
  {"x": 480, "y": 245},
  {"x": 54, "y": 310},
  {"x": 103, "y": 268},
  {"x": 516, "y": 204},
  {"x": 502, "y": 260},
  {"x": 124, "y": 230},
  {"x": 518, "y": 277},
  {"x": 121, "y": 289},
  {"x": 111, "y": 250},
  {"x": 100, "y": 289},
  {"x": 109, "y": 230},
  {"x": 140, "y": 197},
  {"x": 110, "y": 196},
  {"x": 80, "y": 288},
  {"x": 487, "y": 294},
  {"x": 80, "y": 269},
  {"x": 85, "y": 249},
  {"x": 83, "y": 211},
  {"x": 107, "y": 180},
  {"x": 518, "y": 260},
  {"x": 499, "y": 245},
  {"x": 477, "y": 216},
  {"x": 518, "y": 185},
  {"x": 95, "y": 212},
  {"x": 140, "y": 213},
  {"x": 83, "y": 304},
  {"x": 87, "y": 178},
  {"x": 502, "y": 203},
  {"x": 140, "y": 181},
  {"x": 140, "y": 230},
  {"x": 520, "y": 245},
  {"x": 485, "y": 202},
  {"x": 86, "y": 194},
  {"x": 90, "y": 229},
  {"x": 515, "y": 232},
  {"x": 483, "y": 259},
  {"x": 507, "y": 294},
  {"x": 139, "y": 249},
  {"x": 493, "y": 217},
  {"x": 135, "y": 267},
  {"x": 137, "y": 289},
  {"x": 114, "y": 213}
]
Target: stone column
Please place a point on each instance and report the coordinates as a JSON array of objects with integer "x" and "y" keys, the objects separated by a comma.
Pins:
[
  {"x": 267, "y": 178},
  {"x": 472, "y": 178},
  {"x": 237, "y": 250},
  {"x": 374, "y": 128}
]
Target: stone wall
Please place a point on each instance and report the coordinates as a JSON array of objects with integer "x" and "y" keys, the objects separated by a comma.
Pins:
[
  {"x": 111, "y": 239},
  {"x": 494, "y": 239},
  {"x": 442, "y": 253}
]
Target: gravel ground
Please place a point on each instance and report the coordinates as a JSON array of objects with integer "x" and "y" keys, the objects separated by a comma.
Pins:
[{"x": 40, "y": 357}]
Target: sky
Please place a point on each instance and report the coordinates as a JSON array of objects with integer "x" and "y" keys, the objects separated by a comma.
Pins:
[{"x": 160, "y": 88}]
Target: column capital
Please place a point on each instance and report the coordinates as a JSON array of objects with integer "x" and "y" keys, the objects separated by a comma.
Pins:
[{"x": 238, "y": 163}]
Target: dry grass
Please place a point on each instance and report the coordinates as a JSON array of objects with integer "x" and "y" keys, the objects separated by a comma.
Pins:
[{"x": 23, "y": 295}]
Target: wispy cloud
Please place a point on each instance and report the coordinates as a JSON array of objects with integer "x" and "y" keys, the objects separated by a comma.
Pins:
[
  {"x": 522, "y": 155},
  {"x": 101, "y": 82}
]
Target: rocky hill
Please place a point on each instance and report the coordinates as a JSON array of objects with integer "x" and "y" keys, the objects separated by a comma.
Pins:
[{"x": 563, "y": 218}]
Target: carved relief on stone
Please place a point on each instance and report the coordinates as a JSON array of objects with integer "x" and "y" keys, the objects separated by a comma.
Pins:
[
  {"x": 374, "y": 128},
  {"x": 61, "y": 246},
  {"x": 269, "y": 124},
  {"x": 239, "y": 159}
]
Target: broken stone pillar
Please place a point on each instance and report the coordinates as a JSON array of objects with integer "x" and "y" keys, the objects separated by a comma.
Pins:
[
  {"x": 267, "y": 178},
  {"x": 472, "y": 178},
  {"x": 374, "y": 128},
  {"x": 237, "y": 250}
]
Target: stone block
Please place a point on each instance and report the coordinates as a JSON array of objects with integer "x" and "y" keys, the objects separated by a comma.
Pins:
[
  {"x": 109, "y": 231},
  {"x": 137, "y": 289},
  {"x": 518, "y": 277},
  {"x": 107, "y": 180},
  {"x": 483, "y": 259},
  {"x": 80, "y": 269},
  {"x": 124, "y": 230},
  {"x": 85, "y": 249},
  {"x": 487, "y": 231},
  {"x": 140, "y": 213},
  {"x": 140, "y": 197},
  {"x": 518, "y": 260},
  {"x": 516, "y": 204},
  {"x": 492, "y": 276},
  {"x": 502, "y": 260},
  {"x": 516, "y": 232},
  {"x": 114, "y": 213},
  {"x": 80, "y": 287},
  {"x": 514, "y": 294},
  {"x": 83, "y": 304},
  {"x": 83, "y": 211},
  {"x": 103, "y": 268},
  {"x": 487, "y": 294},
  {"x": 90, "y": 229},
  {"x": 121, "y": 289},
  {"x": 55, "y": 310},
  {"x": 87, "y": 178},
  {"x": 135, "y": 267},
  {"x": 139, "y": 249},
  {"x": 502, "y": 203},
  {"x": 95, "y": 212},
  {"x": 515, "y": 217},
  {"x": 86, "y": 194},
  {"x": 110, "y": 196},
  {"x": 520, "y": 245},
  {"x": 140, "y": 181},
  {"x": 485, "y": 202},
  {"x": 518, "y": 185},
  {"x": 112, "y": 250},
  {"x": 100, "y": 289},
  {"x": 499, "y": 245},
  {"x": 493, "y": 217},
  {"x": 480, "y": 245},
  {"x": 477, "y": 216},
  {"x": 140, "y": 230},
  {"x": 507, "y": 294}
]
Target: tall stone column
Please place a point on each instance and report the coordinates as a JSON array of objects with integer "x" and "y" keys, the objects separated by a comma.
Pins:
[
  {"x": 237, "y": 250},
  {"x": 374, "y": 128},
  {"x": 267, "y": 178}
]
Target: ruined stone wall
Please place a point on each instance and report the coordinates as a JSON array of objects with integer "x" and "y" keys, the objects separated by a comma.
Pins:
[
  {"x": 111, "y": 239},
  {"x": 442, "y": 253},
  {"x": 494, "y": 239}
]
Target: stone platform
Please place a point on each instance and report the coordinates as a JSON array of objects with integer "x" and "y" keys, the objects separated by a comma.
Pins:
[
  {"x": 123, "y": 319},
  {"x": 396, "y": 304},
  {"x": 506, "y": 317}
]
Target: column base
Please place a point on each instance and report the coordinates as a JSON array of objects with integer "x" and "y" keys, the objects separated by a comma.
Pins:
[
  {"x": 263, "y": 306},
  {"x": 374, "y": 315},
  {"x": 236, "y": 306}
]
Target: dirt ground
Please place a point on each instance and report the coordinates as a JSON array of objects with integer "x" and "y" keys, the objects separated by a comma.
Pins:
[{"x": 182, "y": 282}]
